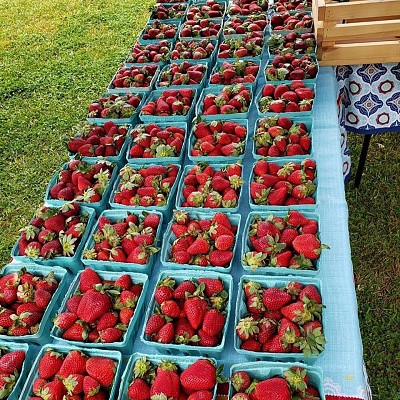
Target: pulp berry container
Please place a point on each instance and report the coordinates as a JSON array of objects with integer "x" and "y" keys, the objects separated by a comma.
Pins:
[
  {"x": 216, "y": 91},
  {"x": 277, "y": 50},
  {"x": 203, "y": 3},
  {"x": 169, "y": 20},
  {"x": 164, "y": 210},
  {"x": 196, "y": 38},
  {"x": 241, "y": 311},
  {"x": 262, "y": 370},
  {"x": 257, "y": 57},
  {"x": 180, "y": 198},
  {"x": 181, "y": 362},
  {"x": 285, "y": 114},
  {"x": 288, "y": 81},
  {"x": 305, "y": 207},
  {"x": 129, "y": 120},
  {"x": 155, "y": 94},
  {"x": 98, "y": 206},
  {"x": 150, "y": 41},
  {"x": 161, "y": 160},
  {"x": 197, "y": 87},
  {"x": 129, "y": 63},
  {"x": 218, "y": 159},
  {"x": 10, "y": 346},
  {"x": 184, "y": 349},
  {"x": 63, "y": 349},
  {"x": 169, "y": 238},
  {"x": 209, "y": 60},
  {"x": 118, "y": 159},
  {"x": 244, "y": 18},
  {"x": 112, "y": 89},
  {"x": 286, "y": 31},
  {"x": 309, "y": 123},
  {"x": 113, "y": 216},
  {"x": 218, "y": 65},
  {"x": 270, "y": 270},
  {"x": 124, "y": 346},
  {"x": 42, "y": 336},
  {"x": 72, "y": 263}
]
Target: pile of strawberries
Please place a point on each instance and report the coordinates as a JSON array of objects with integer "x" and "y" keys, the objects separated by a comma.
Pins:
[
  {"x": 158, "y": 30},
  {"x": 290, "y": 67},
  {"x": 218, "y": 138},
  {"x": 212, "y": 187},
  {"x": 128, "y": 240},
  {"x": 145, "y": 186},
  {"x": 203, "y": 242},
  {"x": 231, "y": 99},
  {"x": 184, "y": 73},
  {"x": 53, "y": 232},
  {"x": 93, "y": 140},
  {"x": 191, "y": 312},
  {"x": 11, "y": 363},
  {"x": 200, "y": 28},
  {"x": 147, "y": 53},
  {"x": 254, "y": 24},
  {"x": 248, "y": 7},
  {"x": 293, "y": 383},
  {"x": 240, "y": 71},
  {"x": 115, "y": 106},
  {"x": 291, "y": 5},
  {"x": 134, "y": 76},
  {"x": 283, "y": 98},
  {"x": 192, "y": 50},
  {"x": 24, "y": 298},
  {"x": 293, "y": 42},
  {"x": 73, "y": 375},
  {"x": 109, "y": 319},
  {"x": 288, "y": 21},
  {"x": 286, "y": 242},
  {"x": 82, "y": 181},
  {"x": 286, "y": 185},
  {"x": 281, "y": 319},
  {"x": 211, "y": 9},
  {"x": 152, "y": 141},
  {"x": 247, "y": 46},
  {"x": 280, "y": 136},
  {"x": 167, "y": 380},
  {"x": 162, "y": 12},
  {"x": 170, "y": 102}
]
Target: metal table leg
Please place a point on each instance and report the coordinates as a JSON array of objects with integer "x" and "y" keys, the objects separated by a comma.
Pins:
[{"x": 361, "y": 162}]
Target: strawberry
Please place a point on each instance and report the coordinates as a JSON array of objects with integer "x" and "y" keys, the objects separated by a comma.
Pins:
[
  {"x": 311, "y": 292},
  {"x": 220, "y": 258},
  {"x": 93, "y": 305},
  {"x": 274, "y": 299},
  {"x": 77, "y": 332},
  {"x": 50, "y": 364},
  {"x": 64, "y": 320},
  {"x": 138, "y": 389},
  {"x": 273, "y": 388},
  {"x": 212, "y": 286},
  {"x": 195, "y": 308},
  {"x": 183, "y": 288},
  {"x": 166, "y": 333},
  {"x": 213, "y": 322},
  {"x": 12, "y": 361},
  {"x": 201, "y": 375},
  {"x": 240, "y": 381},
  {"x": 53, "y": 390},
  {"x": 308, "y": 245},
  {"x": 102, "y": 369}
]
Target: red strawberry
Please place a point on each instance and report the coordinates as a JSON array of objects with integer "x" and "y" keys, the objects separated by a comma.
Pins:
[
  {"x": 154, "y": 324},
  {"x": 220, "y": 258},
  {"x": 212, "y": 286},
  {"x": 195, "y": 308},
  {"x": 88, "y": 279},
  {"x": 65, "y": 320},
  {"x": 273, "y": 388},
  {"x": 102, "y": 369},
  {"x": 201, "y": 375},
  {"x": 138, "y": 390},
  {"x": 308, "y": 245},
  {"x": 54, "y": 390},
  {"x": 166, "y": 334},
  {"x": 166, "y": 381},
  {"x": 274, "y": 299},
  {"x": 311, "y": 292},
  {"x": 50, "y": 364},
  {"x": 240, "y": 381},
  {"x": 93, "y": 305},
  {"x": 12, "y": 361},
  {"x": 213, "y": 322},
  {"x": 90, "y": 386},
  {"x": 183, "y": 288}
]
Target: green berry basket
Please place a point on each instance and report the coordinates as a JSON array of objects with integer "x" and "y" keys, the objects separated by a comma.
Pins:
[
  {"x": 180, "y": 198},
  {"x": 116, "y": 215},
  {"x": 118, "y": 159},
  {"x": 155, "y": 94},
  {"x": 185, "y": 349},
  {"x": 63, "y": 349},
  {"x": 129, "y": 120},
  {"x": 169, "y": 238},
  {"x": 98, "y": 206},
  {"x": 217, "y": 159},
  {"x": 241, "y": 311},
  {"x": 262, "y": 370},
  {"x": 181, "y": 362},
  {"x": 300, "y": 207},
  {"x": 269, "y": 269},
  {"x": 72, "y": 263},
  {"x": 164, "y": 210},
  {"x": 284, "y": 114},
  {"x": 126, "y": 345},
  {"x": 217, "y": 90},
  {"x": 160, "y": 160},
  {"x": 112, "y": 89},
  {"x": 10, "y": 346},
  {"x": 42, "y": 336},
  {"x": 168, "y": 67},
  {"x": 309, "y": 123}
]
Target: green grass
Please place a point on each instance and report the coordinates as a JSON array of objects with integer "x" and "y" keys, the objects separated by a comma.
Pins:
[{"x": 57, "y": 56}]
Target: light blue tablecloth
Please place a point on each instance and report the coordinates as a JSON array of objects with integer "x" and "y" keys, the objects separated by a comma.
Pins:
[{"x": 342, "y": 360}]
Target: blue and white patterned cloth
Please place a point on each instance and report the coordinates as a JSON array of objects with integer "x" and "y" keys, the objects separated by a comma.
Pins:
[{"x": 368, "y": 102}]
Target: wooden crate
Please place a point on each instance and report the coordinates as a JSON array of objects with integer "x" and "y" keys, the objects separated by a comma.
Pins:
[{"x": 357, "y": 32}]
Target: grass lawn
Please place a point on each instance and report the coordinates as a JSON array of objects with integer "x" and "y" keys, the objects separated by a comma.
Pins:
[{"x": 57, "y": 56}]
